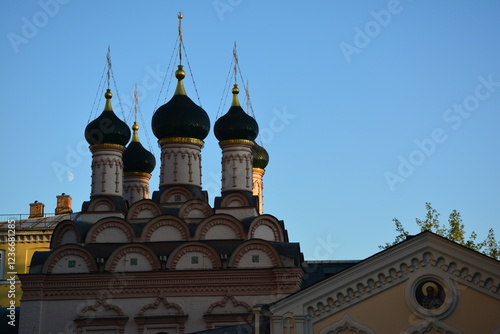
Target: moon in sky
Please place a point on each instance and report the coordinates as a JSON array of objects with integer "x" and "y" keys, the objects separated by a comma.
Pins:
[{"x": 70, "y": 176}]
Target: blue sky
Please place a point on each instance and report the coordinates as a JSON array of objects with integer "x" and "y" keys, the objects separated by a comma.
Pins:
[{"x": 368, "y": 109}]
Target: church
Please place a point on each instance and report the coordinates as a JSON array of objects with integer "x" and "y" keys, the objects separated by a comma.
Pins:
[{"x": 168, "y": 261}]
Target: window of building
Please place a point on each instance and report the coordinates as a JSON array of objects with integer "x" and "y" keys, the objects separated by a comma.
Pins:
[
  {"x": 194, "y": 260},
  {"x": 71, "y": 264},
  {"x": 255, "y": 258},
  {"x": 133, "y": 261}
]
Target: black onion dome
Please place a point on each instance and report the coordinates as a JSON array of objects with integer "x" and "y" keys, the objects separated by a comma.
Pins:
[
  {"x": 107, "y": 128},
  {"x": 236, "y": 123},
  {"x": 136, "y": 158},
  {"x": 180, "y": 117},
  {"x": 260, "y": 156}
]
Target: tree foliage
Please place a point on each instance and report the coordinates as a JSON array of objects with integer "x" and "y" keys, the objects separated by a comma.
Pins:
[{"x": 455, "y": 231}]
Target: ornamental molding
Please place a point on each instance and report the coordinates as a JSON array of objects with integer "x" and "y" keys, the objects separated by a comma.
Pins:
[
  {"x": 228, "y": 200},
  {"x": 34, "y": 237},
  {"x": 173, "y": 191},
  {"x": 182, "y": 250},
  {"x": 180, "y": 140},
  {"x": 162, "y": 299},
  {"x": 142, "y": 205},
  {"x": 139, "y": 176},
  {"x": 235, "y": 303},
  {"x": 228, "y": 158},
  {"x": 428, "y": 325},
  {"x": 61, "y": 229},
  {"x": 346, "y": 324},
  {"x": 269, "y": 222},
  {"x": 224, "y": 220},
  {"x": 105, "y": 146},
  {"x": 181, "y": 153},
  {"x": 96, "y": 203},
  {"x": 99, "y": 161},
  {"x": 110, "y": 222},
  {"x": 63, "y": 251},
  {"x": 384, "y": 271},
  {"x": 251, "y": 245},
  {"x": 117, "y": 255},
  {"x": 236, "y": 142},
  {"x": 241, "y": 282},
  {"x": 92, "y": 309},
  {"x": 158, "y": 222},
  {"x": 198, "y": 205}
]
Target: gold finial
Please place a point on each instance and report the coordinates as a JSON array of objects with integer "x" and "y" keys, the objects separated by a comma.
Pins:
[
  {"x": 236, "y": 101},
  {"x": 135, "y": 135},
  {"x": 108, "y": 96},
  {"x": 236, "y": 90},
  {"x": 180, "y": 74}
]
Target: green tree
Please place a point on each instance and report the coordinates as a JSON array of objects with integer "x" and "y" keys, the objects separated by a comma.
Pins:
[{"x": 455, "y": 231}]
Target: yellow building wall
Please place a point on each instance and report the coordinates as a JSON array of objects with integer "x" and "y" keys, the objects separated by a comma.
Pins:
[
  {"x": 475, "y": 311},
  {"x": 388, "y": 312},
  {"x": 383, "y": 312},
  {"x": 23, "y": 253}
]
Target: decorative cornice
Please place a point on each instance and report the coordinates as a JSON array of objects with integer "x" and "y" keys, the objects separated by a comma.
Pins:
[
  {"x": 428, "y": 261},
  {"x": 237, "y": 142},
  {"x": 28, "y": 237},
  {"x": 181, "y": 140},
  {"x": 189, "y": 283},
  {"x": 145, "y": 175},
  {"x": 107, "y": 146}
]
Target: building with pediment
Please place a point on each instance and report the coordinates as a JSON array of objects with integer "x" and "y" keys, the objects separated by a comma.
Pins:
[{"x": 425, "y": 284}]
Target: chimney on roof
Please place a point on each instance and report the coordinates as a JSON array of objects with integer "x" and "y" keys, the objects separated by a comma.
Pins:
[
  {"x": 63, "y": 204},
  {"x": 36, "y": 209}
]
